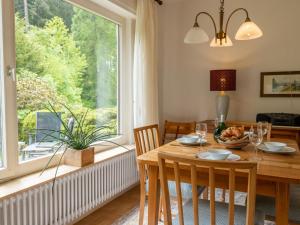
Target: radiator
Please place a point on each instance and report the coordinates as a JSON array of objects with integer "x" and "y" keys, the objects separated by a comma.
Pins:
[{"x": 74, "y": 195}]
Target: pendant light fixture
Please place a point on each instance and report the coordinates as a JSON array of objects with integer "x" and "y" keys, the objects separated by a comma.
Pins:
[{"x": 247, "y": 31}]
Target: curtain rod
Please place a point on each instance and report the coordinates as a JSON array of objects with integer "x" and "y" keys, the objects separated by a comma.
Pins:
[{"x": 160, "y": 2}]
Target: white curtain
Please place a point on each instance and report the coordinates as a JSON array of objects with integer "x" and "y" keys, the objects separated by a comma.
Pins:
[{"x": 145, "y": 64}]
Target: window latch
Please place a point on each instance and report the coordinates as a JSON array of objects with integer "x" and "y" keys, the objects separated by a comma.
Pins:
[{"x": 11, "y": 73}]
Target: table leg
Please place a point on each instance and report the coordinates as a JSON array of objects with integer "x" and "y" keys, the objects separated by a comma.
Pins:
[
  {"x": 282, "y": 203},
  {"x": 153, "y": 195}
]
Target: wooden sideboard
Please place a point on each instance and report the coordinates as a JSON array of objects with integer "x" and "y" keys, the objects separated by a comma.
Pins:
[{"x": 286, "y": 132}]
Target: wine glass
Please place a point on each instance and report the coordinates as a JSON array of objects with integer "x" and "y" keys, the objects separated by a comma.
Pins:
[
  {"x": 216, "y": 122},
  {"x": 256, "y": 138},
  {"x": 265, "y": 126},
  {"x": 201, "y": 131}
]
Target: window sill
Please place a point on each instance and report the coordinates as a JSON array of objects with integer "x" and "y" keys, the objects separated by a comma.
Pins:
[{"x": 24, "y": 183}]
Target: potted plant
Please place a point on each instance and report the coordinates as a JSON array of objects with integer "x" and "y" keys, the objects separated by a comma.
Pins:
[{"x": 76, "y": 139}]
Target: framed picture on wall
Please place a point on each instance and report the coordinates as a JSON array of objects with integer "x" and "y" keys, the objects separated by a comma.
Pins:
[{"x": 280, "y": 84}]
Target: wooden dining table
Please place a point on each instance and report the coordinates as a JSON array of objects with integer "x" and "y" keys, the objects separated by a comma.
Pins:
[{"x": 275, "y": 174}]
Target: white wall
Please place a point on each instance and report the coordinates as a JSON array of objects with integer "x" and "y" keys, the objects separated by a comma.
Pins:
[{"x": 184, "y": 69}]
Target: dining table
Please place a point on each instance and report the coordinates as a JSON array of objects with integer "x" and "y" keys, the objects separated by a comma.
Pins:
[{"x": 275, "y": 173}]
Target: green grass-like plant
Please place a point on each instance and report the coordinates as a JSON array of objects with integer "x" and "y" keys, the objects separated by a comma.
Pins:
[{"x": 79, "y": 138}]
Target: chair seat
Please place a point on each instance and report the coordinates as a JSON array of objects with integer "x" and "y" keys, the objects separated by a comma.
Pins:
[
  {"x": 186, "y": 189},
  {"x": 221, "y": 214},
  {"x": 267, "y": 204}
]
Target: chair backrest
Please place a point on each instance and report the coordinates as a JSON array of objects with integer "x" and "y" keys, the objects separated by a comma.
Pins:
[
  {"x": 177, "y": 128},
  {"x": 248, "y": 125},
  {"x": 146, "y": 138},
  {"x": 195, "y": 165},
  {"x": 47, "y": 123}
]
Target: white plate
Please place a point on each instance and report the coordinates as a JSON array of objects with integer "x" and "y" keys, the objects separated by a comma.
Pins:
[
  {"x": 285, "y": 150},
  {"x": 208, "y": 156},
  {"x": 198, "y": 142}
]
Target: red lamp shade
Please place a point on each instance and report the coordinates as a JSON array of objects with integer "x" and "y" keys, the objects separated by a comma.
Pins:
[{"x": 222, "y": 80}]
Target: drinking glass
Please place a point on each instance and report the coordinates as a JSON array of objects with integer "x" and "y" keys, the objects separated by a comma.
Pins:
[
  {"x": 216, "y": 122},
  {"x": 265, "y": 126},
  {"x": 256, "y": 138},
  {"x": 201, "y": 131}
]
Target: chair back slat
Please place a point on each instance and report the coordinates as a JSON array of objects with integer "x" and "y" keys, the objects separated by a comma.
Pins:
[
  {"x": 146, "y": 138},
  {"x": 231, "y": 196},
  {"x": 178, "y": 193},
  {"x": 194, "y": 194},
  {"x": 196, "y": 165},
  {"x": 251, "y": 197},
  {"x": 248, "y": 125},
  {"x": 177, "y": 128},
  {"x": 212, "y": 196}
]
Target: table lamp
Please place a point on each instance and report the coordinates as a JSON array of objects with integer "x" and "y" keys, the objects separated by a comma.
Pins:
[{"x": 222, "y": 80}]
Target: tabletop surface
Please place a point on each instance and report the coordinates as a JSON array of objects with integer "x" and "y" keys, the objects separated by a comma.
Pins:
[{"x": 286, "y": 168}]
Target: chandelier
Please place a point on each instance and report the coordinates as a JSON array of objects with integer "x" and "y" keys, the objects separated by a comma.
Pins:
[{"x": 247, "y": 31}]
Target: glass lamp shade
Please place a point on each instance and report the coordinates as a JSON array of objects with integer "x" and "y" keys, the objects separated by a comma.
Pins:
[
  {"x": 196, "y": 35},
  {"x": 247, "y": 31},
  {"x": 225, "y": 42}
]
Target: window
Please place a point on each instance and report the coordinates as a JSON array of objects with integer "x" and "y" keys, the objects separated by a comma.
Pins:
[{"x": 67, "y": 55}]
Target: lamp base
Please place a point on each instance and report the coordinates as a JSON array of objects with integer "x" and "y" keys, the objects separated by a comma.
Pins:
[{"x": 222, "y": 106}]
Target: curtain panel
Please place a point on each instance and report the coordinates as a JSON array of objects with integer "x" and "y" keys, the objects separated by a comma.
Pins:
[{"x": 145, "y": 64}]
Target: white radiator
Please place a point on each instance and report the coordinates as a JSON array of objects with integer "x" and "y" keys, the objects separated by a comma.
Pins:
[{"x": 74, "y": 195}]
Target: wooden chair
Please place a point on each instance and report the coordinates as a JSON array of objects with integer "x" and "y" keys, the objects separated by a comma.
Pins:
[
  {"x": 248, "y": 125},
  {"x": 146, "y": 139},
  {"x": 177, "y": 128},
  {"x": 220, "y": 212}
]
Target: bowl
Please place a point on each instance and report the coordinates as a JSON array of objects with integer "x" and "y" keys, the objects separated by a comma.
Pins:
[
  {"x": 235, "y": 144},
  {"x": 188, "y": 140},
  {"x": 219, "y": 154},
  {"x": 275, "y": 146}
]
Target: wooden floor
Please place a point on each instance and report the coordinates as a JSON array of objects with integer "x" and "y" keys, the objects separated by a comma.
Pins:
[
  {"x": 117, "y": 209},
  {"x": 114, "y": 210}
]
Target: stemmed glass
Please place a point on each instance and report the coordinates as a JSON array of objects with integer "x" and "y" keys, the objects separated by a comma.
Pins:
[
  {"x": 216, "y": 122},
  {"x": 201, "y": 131},
  {"x": 264, "y": 126},
  {"x": 256, "y": 138}
]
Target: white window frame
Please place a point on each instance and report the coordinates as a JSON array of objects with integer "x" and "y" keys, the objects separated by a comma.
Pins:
[{"x": 12, "y": 166}]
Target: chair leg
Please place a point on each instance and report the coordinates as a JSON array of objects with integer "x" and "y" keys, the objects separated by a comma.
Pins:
[
  {"x": 205, "y": 193},
  {"x": 160, "y": 210},
  {"x": 142, "y": 194},
  {"x": 223, "y": 195}
]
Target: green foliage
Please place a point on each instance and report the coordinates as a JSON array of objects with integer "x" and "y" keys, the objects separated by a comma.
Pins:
[
  {"x": 51, "y": 54},
  {"x": 95, "y": 118},
  {"x": 40, "y": 11},
  {"x": 65, "y": 55},
  {"x": 97, "y": 40}
]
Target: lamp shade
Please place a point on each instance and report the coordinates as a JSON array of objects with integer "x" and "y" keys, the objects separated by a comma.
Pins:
[
  {"x": 222, "y": 80},
  {"x": 196, "y": 35},
  {"x": 247, "y": 31}
]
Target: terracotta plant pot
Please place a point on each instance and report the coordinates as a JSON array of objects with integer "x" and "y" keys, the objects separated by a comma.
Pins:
[{"x": 79, "y": 158}]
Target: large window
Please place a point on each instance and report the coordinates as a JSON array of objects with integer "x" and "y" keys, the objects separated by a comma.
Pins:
[
  {"x": 74, "y": 53},
  {"x": 65, "y": 56}
]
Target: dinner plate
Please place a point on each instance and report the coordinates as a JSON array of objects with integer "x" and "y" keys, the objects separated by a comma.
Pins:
[
  {"x": 285, "y": 150},
  {"x": 208, "y": 156},
  {"x": 198, "y": 142}
]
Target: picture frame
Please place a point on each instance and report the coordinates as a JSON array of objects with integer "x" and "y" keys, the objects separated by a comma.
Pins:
[{"x": 280, "y": 84}]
